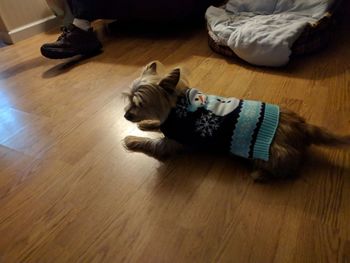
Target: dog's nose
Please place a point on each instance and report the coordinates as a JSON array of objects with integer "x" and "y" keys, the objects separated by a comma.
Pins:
[{"x": 128, "y": 116}]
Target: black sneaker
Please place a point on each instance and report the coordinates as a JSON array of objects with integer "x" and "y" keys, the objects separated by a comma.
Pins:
[{"x": 73, "y": 41}]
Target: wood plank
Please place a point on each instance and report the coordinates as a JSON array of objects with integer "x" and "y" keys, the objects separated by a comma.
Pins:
[{"x": 69, "y": 192}]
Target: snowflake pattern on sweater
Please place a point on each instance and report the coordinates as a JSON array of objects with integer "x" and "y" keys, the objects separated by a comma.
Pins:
[
  {"x": 242, "y": 127},
  {"x": 207, "y": 124}
]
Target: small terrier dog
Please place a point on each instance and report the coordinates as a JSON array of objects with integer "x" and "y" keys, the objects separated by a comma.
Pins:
[{"x": 275, "y": 139}]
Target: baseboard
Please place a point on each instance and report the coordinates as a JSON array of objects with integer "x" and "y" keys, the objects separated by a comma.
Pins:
[
  {"x": 30, "y": 29},
  {"x": 4, "y": 36}
]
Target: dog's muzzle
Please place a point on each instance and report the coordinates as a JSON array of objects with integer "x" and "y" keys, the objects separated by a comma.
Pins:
[{"x": 129, "y": 116}]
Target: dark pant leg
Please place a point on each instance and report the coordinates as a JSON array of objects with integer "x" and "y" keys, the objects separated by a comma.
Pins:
[
  {"x": 168, "y": 10},
  {"x": 99, "y": 9},
  {"x": 149, "y": 10}
]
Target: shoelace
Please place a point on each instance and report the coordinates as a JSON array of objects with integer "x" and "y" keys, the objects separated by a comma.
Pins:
[{"x": 65, "y": 30}]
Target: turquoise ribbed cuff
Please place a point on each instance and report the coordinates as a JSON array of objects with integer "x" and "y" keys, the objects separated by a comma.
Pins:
[
  {"x": 266, "y": 132},
  {"x": 246, "y": 124}
]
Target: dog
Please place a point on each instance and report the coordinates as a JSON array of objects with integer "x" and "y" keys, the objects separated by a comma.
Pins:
[{"x": 280, "y": 141}]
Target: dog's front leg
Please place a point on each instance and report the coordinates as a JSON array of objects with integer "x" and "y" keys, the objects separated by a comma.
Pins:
[
  {"x": 157, "y": 148},
  {"x": 149, "y": 125}
]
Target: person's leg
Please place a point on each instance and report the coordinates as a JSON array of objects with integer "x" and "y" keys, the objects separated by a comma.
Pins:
[
  {"x": 78, "y": 37},
  {"x": 100, "y": 9},
  {"x": 82, "y": 23},
  {"x": 82, "y": 12}
]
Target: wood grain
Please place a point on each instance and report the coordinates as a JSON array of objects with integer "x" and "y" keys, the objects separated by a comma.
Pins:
[{"x": 69, "y": 192}]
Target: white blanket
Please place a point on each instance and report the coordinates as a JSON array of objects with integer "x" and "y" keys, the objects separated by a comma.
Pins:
[{"x": 263, "y": 32}]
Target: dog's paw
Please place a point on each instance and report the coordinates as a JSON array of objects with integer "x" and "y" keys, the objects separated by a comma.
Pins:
[
  {"x": 148, "y": 125},
  {"x": 133, "y": 143},
  {"x": 142, "y": 126}
]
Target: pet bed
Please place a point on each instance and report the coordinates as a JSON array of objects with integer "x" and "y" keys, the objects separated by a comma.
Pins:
[{"x": 268, "y": 32}]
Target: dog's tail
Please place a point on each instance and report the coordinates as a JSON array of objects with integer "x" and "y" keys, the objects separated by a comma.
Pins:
[{"x": 320, "y": 136}]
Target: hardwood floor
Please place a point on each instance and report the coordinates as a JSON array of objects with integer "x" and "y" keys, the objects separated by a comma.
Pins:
[{"x": 69, "y": 192}]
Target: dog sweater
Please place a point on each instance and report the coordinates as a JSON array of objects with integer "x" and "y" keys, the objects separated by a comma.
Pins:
[{"x": 242, "y": 127}]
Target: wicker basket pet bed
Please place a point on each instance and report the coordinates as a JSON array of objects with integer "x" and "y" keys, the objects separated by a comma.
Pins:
[{"x": 314, "y": 36}]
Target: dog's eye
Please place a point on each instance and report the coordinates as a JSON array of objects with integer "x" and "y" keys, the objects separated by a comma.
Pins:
[
  {"x": 229, "y": 101},
  {"x": 218, "y": 100},
  {"x": 196, "y": 99}
]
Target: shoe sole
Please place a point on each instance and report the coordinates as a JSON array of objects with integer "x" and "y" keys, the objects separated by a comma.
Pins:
[{"x": 60, "y": 54}]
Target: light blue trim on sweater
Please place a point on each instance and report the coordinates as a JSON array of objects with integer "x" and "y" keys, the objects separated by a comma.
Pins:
[
  {"x": 246, "y": 124},
  {"x": 266, "y": 132}
]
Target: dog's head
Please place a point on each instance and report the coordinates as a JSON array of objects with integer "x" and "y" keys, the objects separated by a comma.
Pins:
[{"x": 153, "y": 94}]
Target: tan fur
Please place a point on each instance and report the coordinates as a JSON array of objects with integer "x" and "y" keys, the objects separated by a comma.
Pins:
[{"x": 153, "y": 95}]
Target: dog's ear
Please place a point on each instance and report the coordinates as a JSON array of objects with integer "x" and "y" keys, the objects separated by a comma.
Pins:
[
  {"x": 169, "y": 83},
  {"x": 150, "y": 68}
]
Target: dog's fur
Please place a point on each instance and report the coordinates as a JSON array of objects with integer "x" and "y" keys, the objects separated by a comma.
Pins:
[{"x": 154, "y": 94}]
